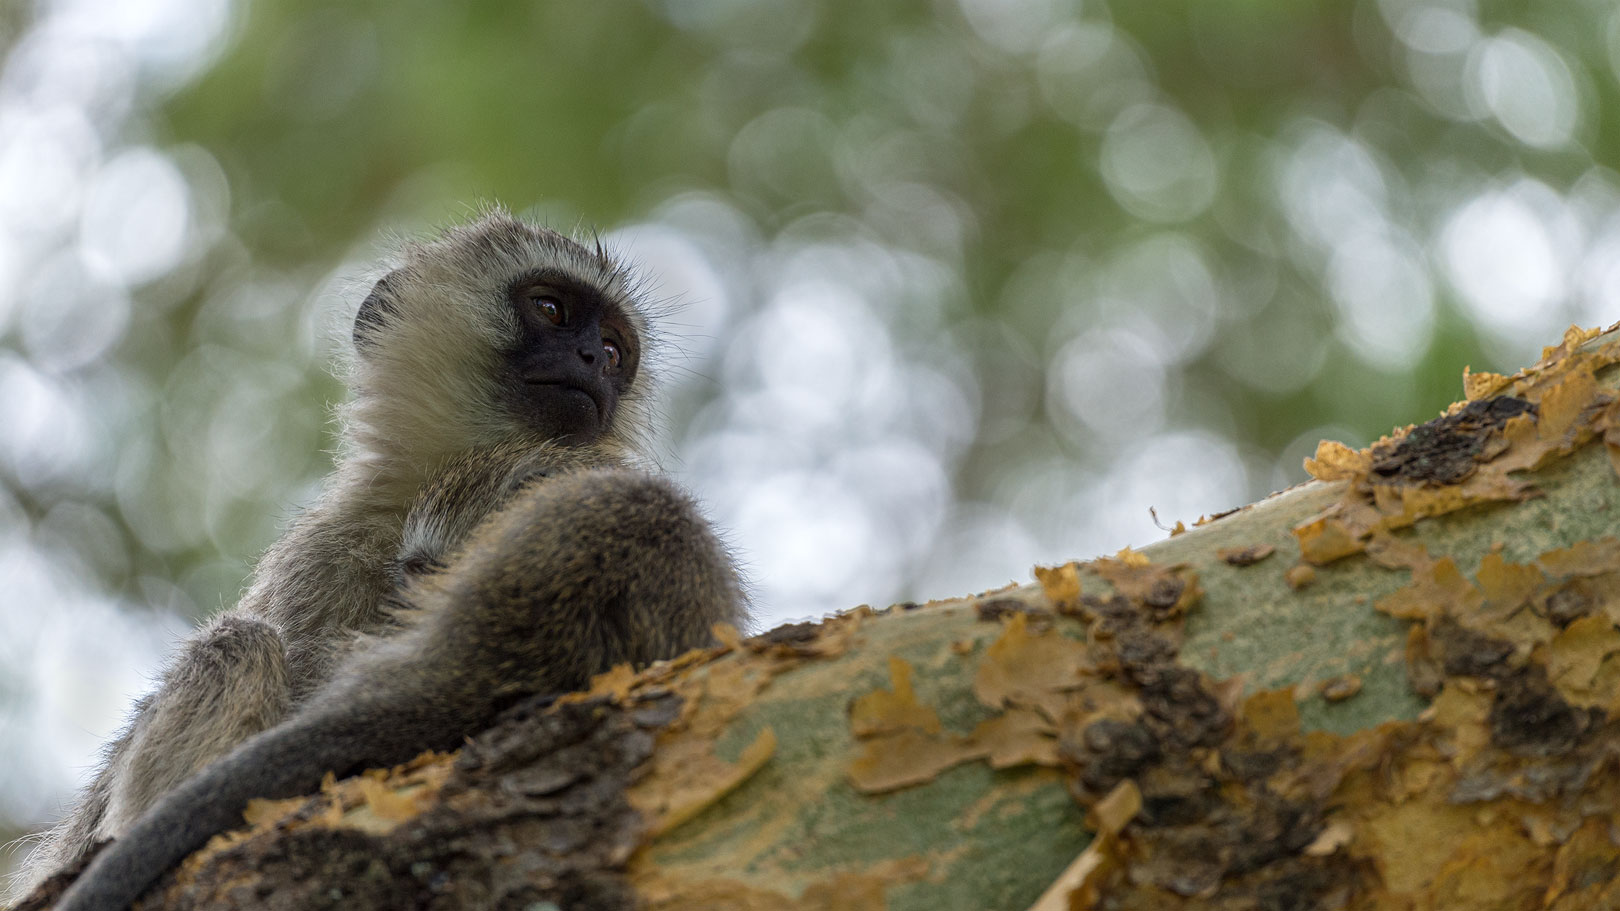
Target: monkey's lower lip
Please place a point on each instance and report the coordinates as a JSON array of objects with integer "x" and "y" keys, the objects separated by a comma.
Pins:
[
  {"x": 563, "y": 384},
  {"x": 566, "y": 387}
]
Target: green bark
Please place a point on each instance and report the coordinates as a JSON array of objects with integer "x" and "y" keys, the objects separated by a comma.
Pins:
[{"x": 742, "y": 766}]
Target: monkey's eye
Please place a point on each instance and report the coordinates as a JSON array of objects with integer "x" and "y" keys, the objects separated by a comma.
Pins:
[
  {"x": 611, "y": 349},
  {"x": 549, "y": 307}
]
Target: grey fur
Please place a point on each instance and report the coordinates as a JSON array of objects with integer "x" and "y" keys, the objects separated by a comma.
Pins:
[
  {"x": 587, "y": 567},
  {"x": 426, "y": 384}
]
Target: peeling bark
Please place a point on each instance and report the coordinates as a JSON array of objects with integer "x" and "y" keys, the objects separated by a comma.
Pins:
[{"x": 1397, "y": 686}]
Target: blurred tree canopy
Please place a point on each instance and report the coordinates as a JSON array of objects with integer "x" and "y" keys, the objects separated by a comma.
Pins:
[{"x": 963, "y": 284}]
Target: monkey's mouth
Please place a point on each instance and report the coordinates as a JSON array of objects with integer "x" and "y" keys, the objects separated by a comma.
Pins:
[
  {"x": 564, "y": 390},
  {"x": 562, "y": 407}
]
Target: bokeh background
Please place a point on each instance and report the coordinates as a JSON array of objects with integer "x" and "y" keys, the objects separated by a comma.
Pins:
[{"x": 964, "y": 285}]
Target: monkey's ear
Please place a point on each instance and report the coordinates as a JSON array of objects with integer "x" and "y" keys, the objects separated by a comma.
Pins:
[{"x": 375, "y": 311}]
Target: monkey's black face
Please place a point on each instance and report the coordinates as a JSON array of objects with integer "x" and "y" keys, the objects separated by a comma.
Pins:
[{"x": 575, "y": 356}]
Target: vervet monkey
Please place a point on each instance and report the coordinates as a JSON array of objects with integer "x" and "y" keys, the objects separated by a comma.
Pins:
[
  {"x": 583, "y": 569},
  {"x": 497, "y": 333}
]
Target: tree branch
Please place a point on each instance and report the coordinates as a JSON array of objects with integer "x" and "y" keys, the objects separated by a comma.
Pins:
[{"x": 1393, "y": 687}]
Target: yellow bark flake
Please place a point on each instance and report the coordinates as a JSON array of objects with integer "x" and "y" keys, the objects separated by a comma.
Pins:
[
  {"x": 1584, "y": 558},
  {"x": 616, "y": 682},
  {"x": 1327, "y": 539},
  {"x": 1335, "y": 461},
  {"x": 910, "y": 757},
  {"x": 906, "y": 758},
  {"x": 1563, "y": 403},
  {"x": 1577, "y": 655},
  {"x": 1461, "y": 712},
  {"x": 1272, "y": 715},
  {"x": 1131, "y": 558},
  {"x": 1574, "y": 337},
  {"x": 1030, "y": 669},
  {"x": 384, "y": 804},
  {"x": 1028, "y": 677},
  {"x": 1333, "y": 838},
  {"x": 1118, "y": 808},
  {"x": 684, "y": 775},
  {"x": 1077, "y": 886},
  {"x": 1482, "y": 385},
  {"x": 1201, "y": 521},
  {"x": 1338, "y": 689},
  {"x": 1016, "y": 737},
  {"x": 846, "y": 890},
  {"x": 692, "y": 778},
  {"x": 376, "y": 801},
  {"x": 882, "y": 711},
  {"x": 1396, "y": 552},
  {"x": 1060, "y": 583},
  {"x": 838, "y": 633},
  {"x": 1436, "y": 590},
  {"x": 1506, "y": 585},
  {"x": 1299, "y": 576}
]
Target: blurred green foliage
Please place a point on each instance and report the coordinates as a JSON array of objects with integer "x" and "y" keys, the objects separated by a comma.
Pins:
[
  {"x": 1183, "y": 235},
  {"x": 330, "y": 120}
]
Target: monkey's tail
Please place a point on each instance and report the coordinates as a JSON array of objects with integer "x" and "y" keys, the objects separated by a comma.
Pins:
[{"x": 284, "y": 761}]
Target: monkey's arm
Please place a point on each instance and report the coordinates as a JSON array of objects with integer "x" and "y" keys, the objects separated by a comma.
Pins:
[
  {"x": 227, "y": 683},
  {"x": 284, "y": 761},
  {"x": 574, "y": 576},
  {"x": 244, "y": 671}
]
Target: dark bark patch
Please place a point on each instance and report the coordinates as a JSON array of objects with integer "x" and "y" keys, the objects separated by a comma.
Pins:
[
  {"x": 1529, "y": 717},
  {"x": 1567, "y": 604},
  {"x": 1108, "y": 751},
  {"x": 533, "y": 813},
  {"x": 789, "y": 634},
  {"x": 1468, "y": 653},
  {"x": 997, "y": 609},
  {"x": 1447, "y": 449},
  {"x": 1210, "y": 826},
  {"x": 802, "y": 640}
]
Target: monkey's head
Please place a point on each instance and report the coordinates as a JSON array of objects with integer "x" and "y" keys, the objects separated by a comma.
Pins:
[{"x": 499, "y": 331}]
